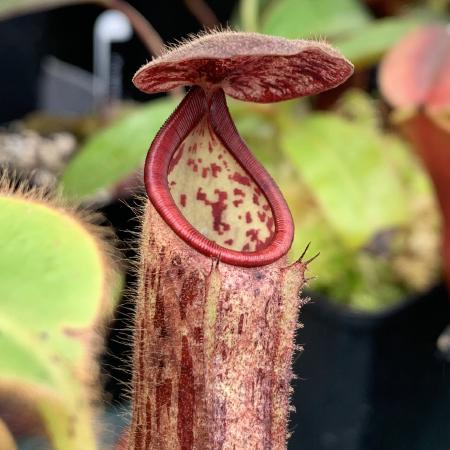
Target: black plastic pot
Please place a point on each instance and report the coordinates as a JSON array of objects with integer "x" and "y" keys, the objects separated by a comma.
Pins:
[{"x": 372, "y": 381}]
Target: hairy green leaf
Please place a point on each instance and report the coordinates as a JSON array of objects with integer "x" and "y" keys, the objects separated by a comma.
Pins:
[{"x": 54, "y": 280}]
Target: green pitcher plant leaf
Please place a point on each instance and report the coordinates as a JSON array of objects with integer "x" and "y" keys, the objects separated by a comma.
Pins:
[
  {"x": 351, "y": 271},
  {"x": 345, "y": 23},
  {"x": 367, "y": 45},
  {"x": 344, "y": 165},
  {"x": 9, "y": 8},
  {"x": 56, "y": 290},
  {"x": 314, "y": 18},
  {"x": 355, "y": 188},
  {"x": 113, "y": 153}
]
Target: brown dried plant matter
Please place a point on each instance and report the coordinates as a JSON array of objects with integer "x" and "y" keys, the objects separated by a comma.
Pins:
[
  {"x": 217, "y": 313},
  {"x": 68, "y": 400}
]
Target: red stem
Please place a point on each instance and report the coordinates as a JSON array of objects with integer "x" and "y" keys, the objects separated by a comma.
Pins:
[
  {"x": 432, "y": 143},
  {"x": 203, "y": 13}
]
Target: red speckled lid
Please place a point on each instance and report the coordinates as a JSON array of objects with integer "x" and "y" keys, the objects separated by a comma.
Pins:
[
  {"x": 247, "y": 66},
  {"x": 416, "y": 71}
]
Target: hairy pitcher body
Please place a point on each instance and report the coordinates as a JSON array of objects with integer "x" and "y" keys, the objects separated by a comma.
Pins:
[{"x": 214, "y": 346}]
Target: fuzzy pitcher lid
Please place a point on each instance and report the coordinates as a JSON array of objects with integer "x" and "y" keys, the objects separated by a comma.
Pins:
[{"x": 247, "y": 66}]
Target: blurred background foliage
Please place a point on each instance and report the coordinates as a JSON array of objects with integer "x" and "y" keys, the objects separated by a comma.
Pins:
[{"x": 357, "y": 192}]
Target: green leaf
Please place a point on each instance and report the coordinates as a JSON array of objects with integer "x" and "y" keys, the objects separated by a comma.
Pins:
[
  {"x": 249, "y": 12},
  {"x": 347, "y": 272},
  {"x": 359, "y": 107},
  {"x": 367, "y": 45},
  {"x": 257, "y": 129},
  {"x": 9, "y": 8},
  {"x": 345, "y": 169},
  {"x": 381, "y": 197},
  {"x": 314, "y": 18},
  {"x": 55, "y": 284},
  {"x": 115, "y": 152}
]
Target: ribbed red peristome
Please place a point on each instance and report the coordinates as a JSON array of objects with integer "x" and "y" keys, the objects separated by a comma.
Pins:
[{"x": 192, "y": 109}]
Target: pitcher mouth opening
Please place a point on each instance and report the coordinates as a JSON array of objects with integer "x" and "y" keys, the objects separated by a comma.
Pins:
[{"x": 209, "y": 188}]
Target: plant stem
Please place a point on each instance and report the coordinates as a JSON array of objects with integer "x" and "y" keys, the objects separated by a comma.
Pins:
[
  {"x": 249, "y": 13},
  {"x": 203, "y": 13},
  {"x": 148, "y": 35},
  {"x": 143, "y": 28},
  {"x": 431, "y": 141}
]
